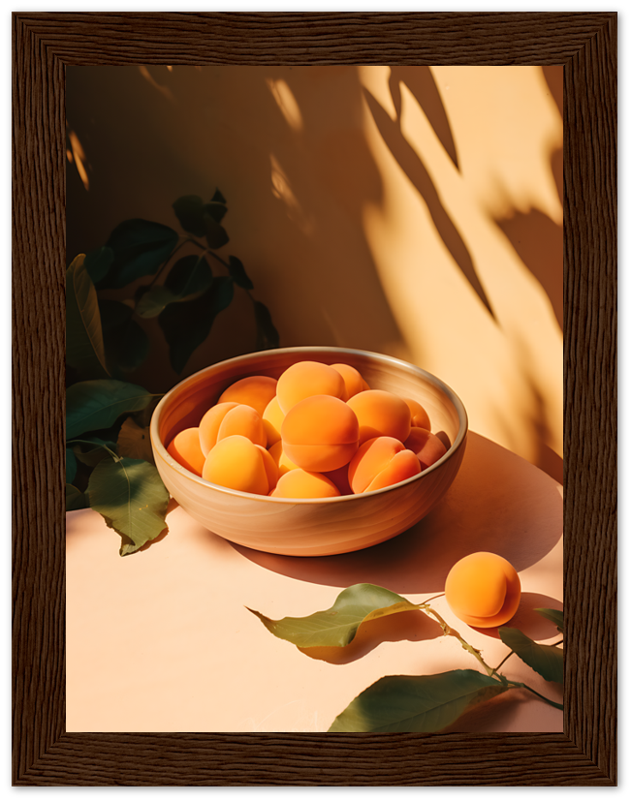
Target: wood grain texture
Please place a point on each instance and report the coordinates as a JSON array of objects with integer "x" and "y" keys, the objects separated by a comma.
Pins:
[{"x": 43, "y": 44}]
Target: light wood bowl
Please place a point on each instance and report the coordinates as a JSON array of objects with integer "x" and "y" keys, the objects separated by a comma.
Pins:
[{"x": 309, "y": 527}]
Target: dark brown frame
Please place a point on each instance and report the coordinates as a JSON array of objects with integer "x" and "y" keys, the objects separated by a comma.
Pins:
[{"x": 43, "y": 753}]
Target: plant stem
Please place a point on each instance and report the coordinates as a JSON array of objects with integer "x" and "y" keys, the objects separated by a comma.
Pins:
[
  {"x": 465, "y": 645},
  {"x": 164, "y": 263},
  {"x": 504, "y": 660},
  {"x": 545, "y": 699}
]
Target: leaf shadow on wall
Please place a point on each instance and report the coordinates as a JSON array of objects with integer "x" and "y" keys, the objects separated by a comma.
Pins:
[
  {"x": 412, "y": 165},
  {"x": 537, "y": 239}
]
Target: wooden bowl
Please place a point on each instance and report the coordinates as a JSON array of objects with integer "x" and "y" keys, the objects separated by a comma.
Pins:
[{"x": 309, "y": 527}]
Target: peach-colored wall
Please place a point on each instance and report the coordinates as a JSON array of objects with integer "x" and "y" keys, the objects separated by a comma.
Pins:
[{"x": 413, "y": 211}]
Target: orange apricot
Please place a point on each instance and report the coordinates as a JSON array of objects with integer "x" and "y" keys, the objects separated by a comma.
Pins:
[
  {"x": 299, "y": 483},
  {"x": 255, "y": 391},
  {"x": 280, "y": 458},
  {"x": 320, "y": 433},
  {"x": 339, "y": 477},
  {"x": 353, "y": 381},
  {"x": 381, "y": 413},
  {"x": 209, "y": 425},
  {"x": 420, "y": 417},
  {"x": 426, "y": 446},
  {"x": 305, "y": 379},
  {"x": 186, "y": 450},
  {"x": 237, "y": 463},
  {"x": 483, "y": 590},
  {"x": 380, "y": 462},
  {"x": 272, "y": 420},
  {"x": 243, "y": 421}
]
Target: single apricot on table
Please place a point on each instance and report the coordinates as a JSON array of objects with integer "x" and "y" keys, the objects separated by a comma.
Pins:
[
  {"x": 320, "y": 433},
  {"x": 483, "y": 590},
  {"x": 381, "y": 413},
  {"x": 186, "y": 450},
  {"x": 380, "y": 462},
  {"x": 237, "y": 463},
  {"x": 305, "y": 379}
]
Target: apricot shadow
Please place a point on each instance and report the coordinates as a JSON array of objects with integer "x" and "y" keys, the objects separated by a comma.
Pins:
[{"x": 528, "y": 621}]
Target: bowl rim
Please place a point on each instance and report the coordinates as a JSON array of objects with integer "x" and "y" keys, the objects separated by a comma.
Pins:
[{"x": 181, "y": 386}]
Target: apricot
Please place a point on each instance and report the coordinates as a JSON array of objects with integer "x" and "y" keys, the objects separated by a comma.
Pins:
[
  {"x": 299, "y": 483},
  {"x": 243, "y": 421},
  {"x": 280, "y": 458},
  {"x": 230, "y": 419},
  {"x": 483, "y": 590},
  {"x": 305, "y": 379},
  {"x": 339, "y": 477},
  {"x": 237, "y": 463},
  {"x": 255, "y": 391},
  {"x": 420, "y": 417},
  {"x": 381, "y": 413},
  {"x": 380, "y": 462},
  {"x": 320, "y": 433},
  {"x": 272, "y": 420},
  {"x": 186, "y": 450},
  {"x": 353, "y": 381},
  {"x": 427, "y": 447}
]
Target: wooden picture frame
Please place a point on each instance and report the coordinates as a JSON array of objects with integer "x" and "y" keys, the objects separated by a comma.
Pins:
[{"x": 43, "y": 753}]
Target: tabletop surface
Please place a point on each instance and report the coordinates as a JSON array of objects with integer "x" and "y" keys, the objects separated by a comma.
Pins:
[{"x": 163, "y": 640}]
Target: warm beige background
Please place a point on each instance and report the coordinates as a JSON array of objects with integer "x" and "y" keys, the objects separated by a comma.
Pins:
[{"x": 413, "y": 211}]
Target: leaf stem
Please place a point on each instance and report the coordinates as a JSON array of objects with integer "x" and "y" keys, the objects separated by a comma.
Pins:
[
  {"x": 465, "y": 645},
  {"x": 114, "y": 455},
  {"x": 514, "y": 685},
  {"x": 168, "y": 259}
]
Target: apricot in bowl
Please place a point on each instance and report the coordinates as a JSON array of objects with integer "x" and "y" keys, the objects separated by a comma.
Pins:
[{"x": 300, "y": 526}]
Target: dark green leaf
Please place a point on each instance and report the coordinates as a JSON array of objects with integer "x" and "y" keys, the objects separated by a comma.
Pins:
[
  {"x": 188, "y": 277},
  {"x": 97, "y": 262},
  {"x": 216, "y": 236},
  {"x": 416, "y": 703},
  {"x": 186, "y": 325},
  {"x": 127, "y": 346},
  {"x": 337, "y": 626},
  {"x": 113, "y": 314},
  {"x": 85, "y": 350},
  {"x": 553, "y": 614},
  {"x": 153, "y": 301},
  {"x": 71, "y": 465},
  {"x": 75, "y": 499},
  {"x": 216, "y": 210},
  {"x": 189, "y": 210},
  {"x": 140, "y": 247},
  {"x": 266, "y": 334},
  {"x": 130, "y": 495},
  {"x": 238, "y": 274},
  {"x": 218, "y": 197},
  {"x": 92, "y": 405},
  {"x": 543, "y": 658},
  {"x": 92, "y": 454}
]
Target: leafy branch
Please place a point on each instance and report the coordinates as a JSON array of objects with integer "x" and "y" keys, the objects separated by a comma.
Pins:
[
  {"x": 109, "y": 460},
  {"x": 415, "y": 703}
]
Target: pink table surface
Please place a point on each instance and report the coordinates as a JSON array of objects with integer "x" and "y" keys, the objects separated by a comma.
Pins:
[{"x": 162, "y": 640}]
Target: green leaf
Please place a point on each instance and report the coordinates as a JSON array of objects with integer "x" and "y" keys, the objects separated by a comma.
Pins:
[
  {"x": 266, "y": 334},
  {"x": 85, "y": 350},
  {"x": 337, "y": 626},
  {"x": 92, "y": 405},
  {"x": 140, "y": 247},
  {"x": 98, "y": 262},
  {"x": 218, "y": 197},
  {"x": 131, "y": 497},
  {"x": 416, "y": 703},
  {"x": 215, "y": 210},
  {"x": 91, "y": 456},
  {"x": 189, "y": 277},
  {"x": 127, "y": 346},
  {"x": 75, "y": 499},
  {"x": 553, "y": 614},
  {"x": 113, "y": 314},
  {"x": 71, "y": 465},
  {"x": 238, "y": 274},
  {"x": 154, "y": 301},
  {"x": 216, "y": 236},
  {"x": 545, "y": 659},
  {"x": 189, "y": 210},
  {"x": 186, "y": 325}
]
